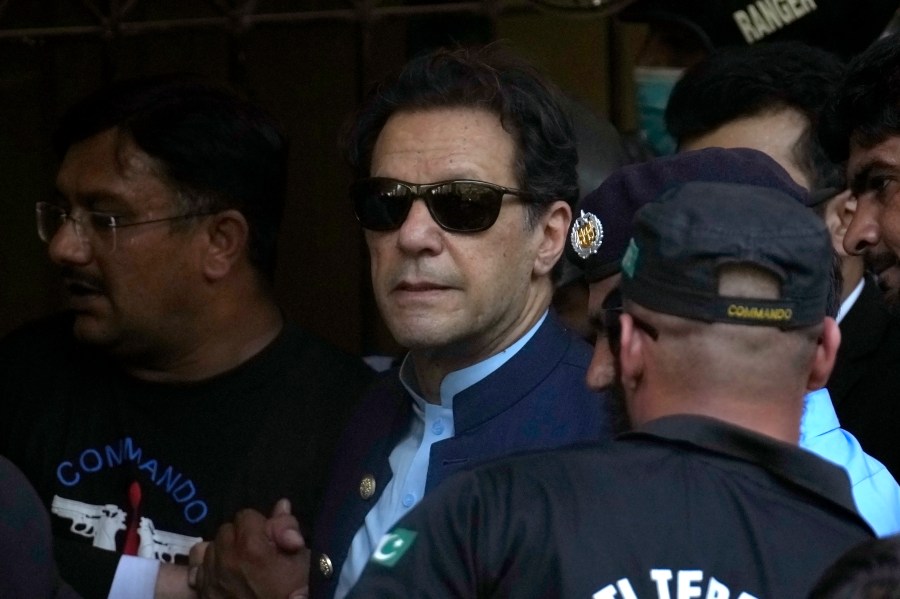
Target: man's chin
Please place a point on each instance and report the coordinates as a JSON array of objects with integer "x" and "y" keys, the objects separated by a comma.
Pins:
[
  {"x": 89, "y": 328},
  {"x": 422, "y": 330}
]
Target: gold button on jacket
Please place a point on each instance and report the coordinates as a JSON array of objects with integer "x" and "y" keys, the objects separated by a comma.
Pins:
[{"x": 325, "y": 566}]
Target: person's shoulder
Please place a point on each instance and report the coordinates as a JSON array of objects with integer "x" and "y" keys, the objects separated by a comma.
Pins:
[
  {"x": 607, "y": 459},
  {"x": 310, "y": 367},
  {"x": 578, "y": 352},
  {"x": 383, "y": 400},
  {"x": 553, "y": 349},
  {"x": 25, "y": 542},
  {"x": 564, "y": 479},
  {"x": 321, "y": 354}
]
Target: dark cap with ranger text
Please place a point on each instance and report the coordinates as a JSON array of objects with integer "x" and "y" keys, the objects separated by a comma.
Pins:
[
  {"x": 845, "y": 27},
  {"x": 682, "y": 241},
  {"x": 603, "y": 225}
]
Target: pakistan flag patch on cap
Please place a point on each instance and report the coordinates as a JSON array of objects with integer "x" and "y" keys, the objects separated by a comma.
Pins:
[
  {"x": 392, "y": 546},
  {"x": 629, "y": 260}
]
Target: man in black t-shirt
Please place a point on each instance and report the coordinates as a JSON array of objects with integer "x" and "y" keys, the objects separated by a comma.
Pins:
[{"x": 172, "y": 394}]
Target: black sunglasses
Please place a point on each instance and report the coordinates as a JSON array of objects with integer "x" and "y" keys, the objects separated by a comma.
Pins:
[
  {"x": 611, "y": 311},
  {"x": 382, "y": 204}
]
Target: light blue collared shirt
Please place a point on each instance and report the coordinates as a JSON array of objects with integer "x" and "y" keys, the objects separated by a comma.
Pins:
[
  {"x": 875, "y": 491},
  {"x": 409, "y": 459}
]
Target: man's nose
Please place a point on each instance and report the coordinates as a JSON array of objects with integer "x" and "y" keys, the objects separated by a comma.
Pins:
[
  {"x": 68, "y": 247},
  {"x": 864, "y": 230},
  {"x": 419, "y": 232}
]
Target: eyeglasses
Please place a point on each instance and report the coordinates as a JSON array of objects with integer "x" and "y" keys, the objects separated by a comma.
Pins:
[
  {"x": 90, "y": 225},
  {"x": 382, "y": 204},
  {"x": 612, "y": 310}
]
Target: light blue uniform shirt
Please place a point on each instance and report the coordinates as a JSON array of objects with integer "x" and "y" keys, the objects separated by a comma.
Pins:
[
  {"x": 875, "y": 491},
  {"x": 409, "y": 459}
]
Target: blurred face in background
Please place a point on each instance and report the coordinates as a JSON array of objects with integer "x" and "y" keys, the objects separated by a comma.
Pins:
[{"x": 667, "y": 51}]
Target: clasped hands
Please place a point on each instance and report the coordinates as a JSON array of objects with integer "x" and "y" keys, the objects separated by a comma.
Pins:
[{"x": 253, "y": 557}]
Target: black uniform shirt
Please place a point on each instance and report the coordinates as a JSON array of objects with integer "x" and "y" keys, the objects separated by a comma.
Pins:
[{"x": 686, "y": 507}]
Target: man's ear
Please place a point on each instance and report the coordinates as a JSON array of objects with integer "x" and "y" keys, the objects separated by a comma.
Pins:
[
  {"x": 228, "y": 236},
  {"x": 838, "y": 214},
  {"x": 847, "y": 208},
  {"x": 826, "y": 351},
  {"x": 553, "y": 229},
  {"x": 631, "y": 353}
]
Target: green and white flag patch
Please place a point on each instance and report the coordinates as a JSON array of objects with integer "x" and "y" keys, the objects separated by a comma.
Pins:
[
  {"x": 393, "y": 545},
  {"x": 629, "y": 260}
]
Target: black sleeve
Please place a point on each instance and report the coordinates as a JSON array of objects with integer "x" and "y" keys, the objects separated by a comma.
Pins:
[
  {"x": 89, "y": 570},
  {"x": 27, "y": 568}
]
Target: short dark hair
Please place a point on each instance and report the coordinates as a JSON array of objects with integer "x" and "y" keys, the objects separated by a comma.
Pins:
[
  {"x": 215, "y": 149},
  {"x": 866, "y": 105},
  {"x": 739, "y": 82},
  {"x": 488, "y": 77}
]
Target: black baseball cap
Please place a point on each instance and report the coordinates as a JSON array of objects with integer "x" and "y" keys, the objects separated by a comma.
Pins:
[
  {"x": 682, "y": 240},
  {"x": 603, "y": 225},
  {"x": 845, "y": 27}
]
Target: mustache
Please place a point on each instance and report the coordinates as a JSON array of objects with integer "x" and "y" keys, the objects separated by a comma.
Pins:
[
  {"x": 880, "y": 261},
  {"x": 81, "y": 280}
]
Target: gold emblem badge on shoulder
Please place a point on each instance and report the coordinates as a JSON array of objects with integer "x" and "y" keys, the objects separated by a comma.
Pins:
[
  {"x": 367, "y": 486},
  {"x": 586, "y": 235}
]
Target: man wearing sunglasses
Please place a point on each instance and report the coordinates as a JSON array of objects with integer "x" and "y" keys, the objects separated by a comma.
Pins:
[
  {"x": 171, "y": 393},
  {"x": 465, "y": 166},
  {"x": 722, "y": 329}
]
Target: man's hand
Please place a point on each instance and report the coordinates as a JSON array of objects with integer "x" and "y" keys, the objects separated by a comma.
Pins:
[
  {"x": 172, "y": 583},
  {"x": 253, "y": 557}
]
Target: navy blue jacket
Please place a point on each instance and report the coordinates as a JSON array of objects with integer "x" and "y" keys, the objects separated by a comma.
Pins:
[{"x": 536, "y": 400}]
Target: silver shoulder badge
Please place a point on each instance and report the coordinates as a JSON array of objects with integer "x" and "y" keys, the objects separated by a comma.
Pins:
[{"x": 586, "y": 235}]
